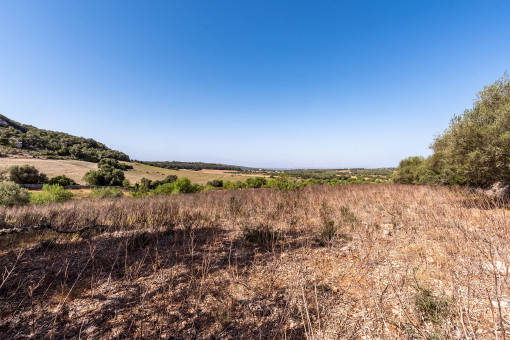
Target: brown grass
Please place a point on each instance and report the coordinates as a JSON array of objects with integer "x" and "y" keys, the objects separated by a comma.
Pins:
[{"x": 183, "y": 266}]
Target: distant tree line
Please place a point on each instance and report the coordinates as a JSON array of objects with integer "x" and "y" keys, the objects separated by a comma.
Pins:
[
  {"x": 54, "y": 144},
  {"x": 195, "y": 166},
  {"x": 474, "y": 150}
]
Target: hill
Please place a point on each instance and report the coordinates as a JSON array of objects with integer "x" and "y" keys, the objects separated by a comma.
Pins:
[{"x": 22, "y": 139}]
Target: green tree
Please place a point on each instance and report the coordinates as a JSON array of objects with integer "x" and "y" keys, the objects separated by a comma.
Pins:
[
  {"x": 26, "y": 174},
  {"x": 475, "y": 149}
]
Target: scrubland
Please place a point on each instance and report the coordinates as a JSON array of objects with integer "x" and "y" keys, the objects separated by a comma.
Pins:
[
  {"x": 76, "y": 169},
  {"x": 324, "y": 262}
]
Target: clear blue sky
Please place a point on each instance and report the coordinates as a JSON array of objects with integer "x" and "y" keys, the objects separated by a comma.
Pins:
[{"x": 289, "y": 84}]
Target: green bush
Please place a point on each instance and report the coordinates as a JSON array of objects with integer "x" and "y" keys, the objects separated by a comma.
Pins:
[
  {"x": 285, "y": 182},
  {"x": 168, "y": 179},
  {"x": 256, "y": 182},
  {"x": 62, "y": 180},
  {"x": 51, "y": 193},
  {"x": 107, "y": 175},
  {"x": 26, "y": 174},
  {"x": 106, "y": 193},
  {"x": 11, "y": 194},
  {"x": 181, "y": 186}
]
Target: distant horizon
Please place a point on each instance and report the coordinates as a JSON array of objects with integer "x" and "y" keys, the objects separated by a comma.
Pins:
[{"x": 263, "y": 84}]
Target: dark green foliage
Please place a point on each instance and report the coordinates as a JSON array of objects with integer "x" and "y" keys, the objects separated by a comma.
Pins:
[
  {"x": 114, "y": 163},
  {"x": 107, "y": 175},
  {"x": 62, "y": 180},
  {"x": 26, "y": 174},
  {"x": 256, "y": 182},
  {"x": 196, "y": 166},
  {"x": 474, "y": 150},
  {"x": 415, "y": 170},
  {"x": 54, "y": 144},
  {"x": 217, "y": 183},
  {"x": 11, "y": 194}
]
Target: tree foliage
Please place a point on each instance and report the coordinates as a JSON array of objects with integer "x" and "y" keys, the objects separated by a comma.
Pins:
[
  {"x": 474, "y": 150},
  {"x": 26, "y": 174},
  {"x": 53, "y": 144}
]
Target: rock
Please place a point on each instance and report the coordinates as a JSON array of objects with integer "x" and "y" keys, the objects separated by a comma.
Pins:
[
  {"x": 498, "y": 191},
  {"x": 387, "y": 229}
]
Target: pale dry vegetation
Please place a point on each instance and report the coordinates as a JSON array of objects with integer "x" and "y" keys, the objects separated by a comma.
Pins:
[{"x": 360, "y": 261}]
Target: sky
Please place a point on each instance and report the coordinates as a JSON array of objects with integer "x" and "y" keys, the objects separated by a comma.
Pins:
[{"x": 273, "y": 84}]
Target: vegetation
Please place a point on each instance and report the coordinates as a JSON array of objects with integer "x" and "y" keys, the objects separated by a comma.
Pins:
[
  {"x": 180, "y": 186},
  {"x": 62, "y": 180},
  {"x": 114, "y": 163},
  {"x": 11, "y": 194},
  {"x": 196, "y": 166},
  {"x": 29, "y": 139},
  {"x": 475, "y": 148},
  {"x": 247, "y": 264},
  {"x": 106, "y": 175},
  {"x": 25, "y": 174},
  {"x": 51, "y": 193},
  {"x": 106, "y": 193}
]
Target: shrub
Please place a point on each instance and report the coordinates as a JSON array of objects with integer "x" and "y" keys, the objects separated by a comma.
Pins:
[
  {"x": 327, "y": 232},
  {"x": 114, "y": 163},
  {"x": 234, "y": 185},
  {"x": 107, "y": 175},
  {"x": 181, "y": 186},
  {"x": 26, "y": 174},
  {"x": 106, "y": 193},
  {"x": 217, "y": 183},
  {"x": 431, "y": 307},
  {"x": 261, "y": 234},
  {"x": 11, "y": 194},
  {"x": 168, "y": 179},
  {"x": 256, "y": 182},
  {"x": 51, "y": 193},
  {"x": 62, "y": 180},
  {"x": 284, "y": 182}
]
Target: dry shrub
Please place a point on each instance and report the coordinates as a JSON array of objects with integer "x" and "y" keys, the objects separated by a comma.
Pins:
[{"x": 181, "y": 266}]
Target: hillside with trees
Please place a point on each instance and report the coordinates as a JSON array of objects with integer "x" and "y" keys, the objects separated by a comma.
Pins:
[
  {"x": 16, "y": 138},
  {"x": 474, "y": 150}
]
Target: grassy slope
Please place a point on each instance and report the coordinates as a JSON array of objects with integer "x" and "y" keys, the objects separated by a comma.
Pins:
[{"x": 76, "y": 169}]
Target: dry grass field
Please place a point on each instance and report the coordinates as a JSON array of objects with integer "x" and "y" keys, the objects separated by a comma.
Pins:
[
  {"x": 76, "y": 169},
  {"x": 358, "y": 262}
]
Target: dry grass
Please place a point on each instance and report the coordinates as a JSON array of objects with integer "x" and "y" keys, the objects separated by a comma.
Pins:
[
  {"x": 404, "y": 262},
  {"x": 76, "y": 169}
]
